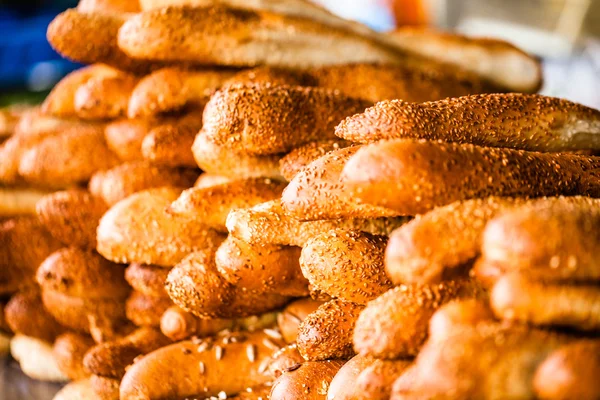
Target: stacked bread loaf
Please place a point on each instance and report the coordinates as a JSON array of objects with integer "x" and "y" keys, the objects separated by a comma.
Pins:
[{"x": 291, "y": 267}]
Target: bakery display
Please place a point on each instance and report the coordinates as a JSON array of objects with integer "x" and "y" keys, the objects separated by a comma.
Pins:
[{"x": 254, "y": 200}]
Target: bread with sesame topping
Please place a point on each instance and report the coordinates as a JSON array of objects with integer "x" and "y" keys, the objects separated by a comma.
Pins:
[
  {"x": 263, "y": 119},
  {"x": 376, "y": 380},
  {"x": 105, "y": 97},
  {"x": 316, "y": 192},
  {"x": 342, "y": 386},
  {"x": 110, "y": 359},
  {"x": 346, "y": 265},
  {"x": 105, "y": 388},
  {"x": 125, "y": 137},
  {"x": 395, "y": 325},
  {"x": 310, "y": 381},
  {"x": 519, "y": 121},
  {"x": 442, "y": 243},
  {"x": 220, "y": 160},
  {"x": 227, "y": 363},
  {"x": 26, "y": 315},
  {"x": 412, "y": 177},
  {"x": 19, "y": 201},
  {"x": 138, "y": 229},
  {"x": 69, "y": 350},
  {"x": 551, "y": 239},
  {"x": 144, "y": 310},
  {"x": 268, "y": 223},
  {"x": 82, "y": 273},
  {"x": 291, "y": 164},
  {"x": 211, "y": 205},
  {"x": 147, "y": 279},
  {"x": 290, "y": 318},
  {"x": 327, "y": 332},
  {"x": 72, "y": 216},
  {"x": 122, "y": 181},
  {"x": 172, "y": 89}
]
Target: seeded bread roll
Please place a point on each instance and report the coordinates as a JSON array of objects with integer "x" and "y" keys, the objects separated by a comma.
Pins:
[
  {"x": 35, "y": 359},
  {"x": 376, "y": 380},
  {"x": 125, "y": 236},
  {"x": 342, "y": 385},
  {"x": 327, "y": 332},
  {"x": 125, "y": 137},
  {"x": 219, "y": 160},
  {"x": 26, "y": 315},
  {"x": 285, "y": 360},
  {"x": 412, "y": 177},
  {"x": 72, "y": 216},
  {"x": 68, "y": 350},
  {"x": 310, "y": 381},
  {"x": 60, "y": 102},
  {"x": 441, "y": 244},
  {"x": 19, "y": 201},
  {"x": 297, "y": 159},
  {"x": 126, "y": 179},
  {"x": 203, "y": 367},
  {"x": 197, "y": 286},
  {"x": 570, "y": 372},
  {"x": 289, "y": 320},
  {"x": 144, "y": 310},
  {"x": 519, "y": 121},
  {"x": 287, "y": 117},
  {"x": 82, "y": 273},
  {"x": 346, "y": 265},
  {"x": 110, "y": 359},
  {"x": 105, "y": 97},
  {"x": 24, "y": 244},
  {"x": 212, "y": 205},
  {"x": 551, "y": 239},
  {"x": 147, "y": 279},
  {"x": 299, "y": 42},
  {"x": 268, "y": 223},
  {"x": 516, "y": 298},
  {"x": 395, "y": 324},
  {"x": 65, "y": 160},
  {"x": 172, "y": 89},
  {"x": 316, "y": 191}
]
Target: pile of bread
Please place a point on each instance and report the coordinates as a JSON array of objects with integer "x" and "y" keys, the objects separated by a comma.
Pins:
[{"x": 258, "y": 199}]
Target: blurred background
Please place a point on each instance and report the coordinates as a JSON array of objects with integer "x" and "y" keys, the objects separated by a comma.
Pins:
[{"x": 564, "y": 33}]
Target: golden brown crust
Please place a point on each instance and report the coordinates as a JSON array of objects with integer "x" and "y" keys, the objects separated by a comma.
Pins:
[
  {"x": 551, "y": 239},
  {"x": 77, "y": 313},
  {"x": 207, "y": 180},
  {"x": 128, "y": 231},
  {"x": 202, "y": 368},
  {"x": 266, "y": 119},
  {"x": 178, "y": 324},
  {"x": 228, "y": 36},
  {"x": 571, "y": 372},
  {"x": 68, "y": 350},
  {"x": 317, "y": 193},
  {"x": 65, "y": 160},
  {"x": 147, "y": 279},
  {"x": 517, "y": 298},
  {"x": 108, "y": 6},
  {"x": 342, "y": 386},
  {"x": 80, "y": 389},
  {"x": 346, "y": 265},
  {"x": 260, "y": 392},
  {"x": 197, "y": 286},
  {"x": 288, "y": 321},
  {"x": 375, "y": 382},
  {"x": 34, "y": 123},
  {"x": 261, "y": 269},
  {"x": 26, "y": 315},
  {"x": 110, "y": 359},
  {"x": 35, "y": 359},
  {"x": 24, "y": 244},
  {"x": 125, "y": 137},
  {"x": 297, "y": 159},
  {"x": 9, "y": 118},
  {"x": 82, "y": 273},
  {"x": 172, "y": 89},
  {"x": 310, "y": 381},
  {"x": 211, "y": 205},
  {"x": 126, "y": 179},
  {"x": 327, "y": 332},
  {"x": 144, "y": 310},
  {"x": 219, "y": 160},
  {"x": 284, "y": 360},
  {"x": 458, "y": 315},
  {"x": 171, "y": 143},
  {"x": 268, "y": 223},
  {"x": 439, "y": 244},
  {"x": 412, "y": 177},
  {"x": 272, "y": 75},
  {"x": 19, "y": 201},
  {"x": 105, "y": 97},
  {"x": 60, "y": 102},
  {"x": 105, "y": 388},
  {"x": 395, "y": 324},
  {"x": 519, "y": 121},
  {"x": 72, "y": 216}
]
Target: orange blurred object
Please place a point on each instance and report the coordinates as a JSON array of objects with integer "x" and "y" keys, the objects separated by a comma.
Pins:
[{"x": 408, "y": 12}]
